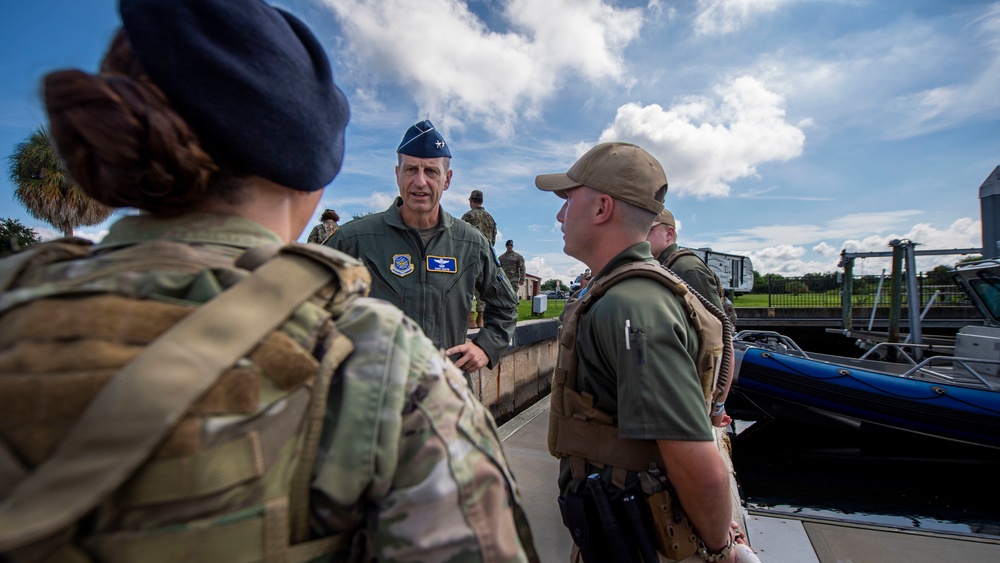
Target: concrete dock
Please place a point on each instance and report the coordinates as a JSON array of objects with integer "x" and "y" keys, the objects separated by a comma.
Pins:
[{"x": 776, "y": 539}]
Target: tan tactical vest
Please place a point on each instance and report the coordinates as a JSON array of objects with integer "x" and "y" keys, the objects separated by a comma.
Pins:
[
  {"x": 577, "y": 429},
  {"x": 688, "y": 252},
  {"x": 228, "y": 480}
]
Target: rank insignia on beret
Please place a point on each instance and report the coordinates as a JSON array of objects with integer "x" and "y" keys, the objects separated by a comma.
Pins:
[
  {"x": 401, "y": 265},
  {"x": 445, "y": 264}
]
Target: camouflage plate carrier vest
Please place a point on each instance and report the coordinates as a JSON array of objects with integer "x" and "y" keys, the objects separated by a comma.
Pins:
[
  {"x": 229, "y": 478},
  {"x": 577, "y": 429}
]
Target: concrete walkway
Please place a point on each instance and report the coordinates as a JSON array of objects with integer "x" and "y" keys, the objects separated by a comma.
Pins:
[{"x": 776, "y": 539}]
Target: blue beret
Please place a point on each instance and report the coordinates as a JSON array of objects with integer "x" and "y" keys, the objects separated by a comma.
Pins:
[
  {"x": 251, "y": 79},
  {"x": 423, "y": 141}
]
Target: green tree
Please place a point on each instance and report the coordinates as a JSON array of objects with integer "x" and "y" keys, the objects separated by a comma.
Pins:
[
  {"x": 362, "y": 215},
  {"x": 46, "y": 190},
  {"x": 940, "y": 275},
  {"x": 796, "y": 287},
  {"x": 14, "y": 236},
  {"x": 549, "y": 285}
]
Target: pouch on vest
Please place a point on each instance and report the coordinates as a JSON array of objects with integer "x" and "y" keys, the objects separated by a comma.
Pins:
[{"x": 230, "y": 488}]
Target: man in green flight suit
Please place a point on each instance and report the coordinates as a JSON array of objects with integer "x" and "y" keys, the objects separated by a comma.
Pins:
[{"x": 429, "y": 264}]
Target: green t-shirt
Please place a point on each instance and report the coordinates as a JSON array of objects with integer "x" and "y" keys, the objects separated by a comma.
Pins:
[{"x": 650, "y": 383}]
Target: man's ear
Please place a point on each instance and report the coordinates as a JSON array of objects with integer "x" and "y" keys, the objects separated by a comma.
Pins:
[{"x": 604, "y": 207}]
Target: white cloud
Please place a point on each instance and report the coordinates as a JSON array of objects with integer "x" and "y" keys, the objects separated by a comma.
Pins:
[
  {"x": 720, "y": 17},
  {"x": 900, "y": 80},
  {"x": 375, "y": 201},
  {"x": 795, "y": 234},
  {"x": 786, "y": 260},
  {"x": 704, "y": 144},
  {"x": 457, "y": 68},
  {"x": 790, "y": 259},
  {"x": 972, "y": 96},
  {"x": 554, "y": 266},
  {"x": 93, "y": 236},
  {"x": 824, "y": 249},
  {"x": 47, "y": 233}
]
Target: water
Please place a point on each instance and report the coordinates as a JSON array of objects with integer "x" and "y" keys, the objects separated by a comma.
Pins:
[{"x": 787, "y": 469}]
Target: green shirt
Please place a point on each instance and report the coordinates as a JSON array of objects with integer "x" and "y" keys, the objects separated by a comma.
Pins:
[
  {"x": 434, "y": 284},
  {"x": 651, "y": 383}
]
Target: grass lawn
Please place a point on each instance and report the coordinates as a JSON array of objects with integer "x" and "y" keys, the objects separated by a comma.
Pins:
[
  {"x": 555, "y": 309},
  {"x": 750, "y": 300}
]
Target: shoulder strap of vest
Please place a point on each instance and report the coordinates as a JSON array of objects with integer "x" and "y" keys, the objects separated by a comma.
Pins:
[
  {"x": 141, "y": 403},
  {"x": 688, "y": 252},
  {"x": 39, "y": 254},
  {"x": 680, "y": 252}
]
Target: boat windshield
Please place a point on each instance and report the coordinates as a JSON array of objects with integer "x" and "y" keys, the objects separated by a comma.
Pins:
[{"x": 987, "y": 287}]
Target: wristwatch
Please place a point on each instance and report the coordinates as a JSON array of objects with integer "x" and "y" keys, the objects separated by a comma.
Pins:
[{"x": 707, "y": 555}]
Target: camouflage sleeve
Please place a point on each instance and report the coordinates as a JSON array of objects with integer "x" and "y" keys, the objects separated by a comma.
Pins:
[
  {"x": 520, "y": 269},
  {"x": 407, "y": 452},
  {"x": 501, "y": 309},
  {"x": 314, "y": 235}
]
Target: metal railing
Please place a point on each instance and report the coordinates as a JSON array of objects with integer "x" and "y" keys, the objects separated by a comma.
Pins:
[{"x": 807, "y": 292}]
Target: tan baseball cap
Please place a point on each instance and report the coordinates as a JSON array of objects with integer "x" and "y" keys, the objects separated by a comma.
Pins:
[
  {"x": 665, "y": 217},
  {"x": 623, "y": 171}
]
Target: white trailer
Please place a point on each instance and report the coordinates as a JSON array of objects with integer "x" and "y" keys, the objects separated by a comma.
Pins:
[{"x": 734, "y": 271}]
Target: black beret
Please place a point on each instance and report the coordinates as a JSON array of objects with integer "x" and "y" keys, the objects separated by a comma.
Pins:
[
  {"x": 423, "y": 141},
  {"x": 251, "y": 79},
  {"x": 509, "y": 243}
]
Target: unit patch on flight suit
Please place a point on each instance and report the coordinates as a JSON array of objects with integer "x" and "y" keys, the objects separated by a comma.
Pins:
[
  {"x": 446, "y": 264},
  {"x": 401, "y": 265}
]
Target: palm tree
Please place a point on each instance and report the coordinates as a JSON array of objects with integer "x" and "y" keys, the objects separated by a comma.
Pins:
[{"x": 46, "y": 190}]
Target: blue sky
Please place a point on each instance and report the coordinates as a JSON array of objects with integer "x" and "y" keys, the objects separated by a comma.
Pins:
[{"x": 788, "y": 129}]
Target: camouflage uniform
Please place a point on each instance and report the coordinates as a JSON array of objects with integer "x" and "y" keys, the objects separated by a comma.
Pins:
[
  {"x": 408, "y": 462},
  {"x": 513, "y": 265},
  {"x": 484, "y": 223},
  {"x": 320, "y": 233}
]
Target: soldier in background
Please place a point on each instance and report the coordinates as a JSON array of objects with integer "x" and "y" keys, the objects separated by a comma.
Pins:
[
  {"x": 481, "y": 219},
  {"x": 326, "y": 228},
  {"x": 513, "y": 265},
  {"x": 330, "y": 428},
  {"x": 478, "y": 217}
]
